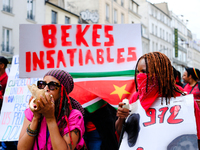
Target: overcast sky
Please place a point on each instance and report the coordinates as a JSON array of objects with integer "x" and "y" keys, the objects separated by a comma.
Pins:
[{"x": 190, "y": 9}]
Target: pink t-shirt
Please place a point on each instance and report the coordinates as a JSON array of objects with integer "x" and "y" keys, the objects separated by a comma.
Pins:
[{"x": 75, "y": 122}]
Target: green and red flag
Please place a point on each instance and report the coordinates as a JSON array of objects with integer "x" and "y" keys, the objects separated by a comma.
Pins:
[{"x": 111, "y": 87}]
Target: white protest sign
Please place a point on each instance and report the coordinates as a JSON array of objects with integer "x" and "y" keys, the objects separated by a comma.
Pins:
[
  {"x": 162, "y": 127},
  {"x": 15, "y": 101},
  {"x": 78, "y": 48}
]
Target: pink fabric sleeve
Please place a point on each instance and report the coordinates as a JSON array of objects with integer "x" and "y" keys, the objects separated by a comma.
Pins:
[
  {"x": 76, "y": 122},
  {"x": 28, "y": 114},
  {"x": 197, "y": 116}
]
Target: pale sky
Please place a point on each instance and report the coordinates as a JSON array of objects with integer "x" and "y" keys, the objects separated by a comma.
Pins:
[{"x": 190, "y": 9}]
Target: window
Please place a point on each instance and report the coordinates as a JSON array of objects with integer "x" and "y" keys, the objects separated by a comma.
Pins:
[
  {"x": 115, "y": 16},
  {"x": 143, "y": 30},
  {"x": 163, "y": 34},
  {"x": 130, "y": 5},
  {"x": 107, "y": 12},
  {"x": 184, "y": 57},
  {"x": 53, "y": 17},
  {"x": 67, "y": 20},
  {"x": 135, "y": 8},
  {"x": 122, "y": 18},
  {"x": 155, "y": 14},
  {"x": 167, "y": 36},
  {"x": 152, "y": 12},
  {"x": 153, "y": 46},
  {"x": 169, "y": 23},
  {"x": 152, "y": 28},
  {"x": 122, "y": 2},
  {"x": 161, "y": 16},
  {"x": 7, "y": 6},
  {"x": 156, "y": 46},
  {"x": 164, "y": 19},
  {"x": 30, "y": 9},
  {"x": 6, "y": 40},
  {"x": 160, "y": 33},
  {"x": 156, "y": 30}
]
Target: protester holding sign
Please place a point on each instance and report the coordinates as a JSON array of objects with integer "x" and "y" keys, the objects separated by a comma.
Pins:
[
  {"x": 56, "y": 125},
  {"x": 154, "y": 78},
  {"x": 3, "y": 83},
  {"x": 3, "y": 78}
]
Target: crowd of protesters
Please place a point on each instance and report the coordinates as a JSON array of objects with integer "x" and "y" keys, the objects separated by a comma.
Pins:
[{"x": 62, "y": 123}]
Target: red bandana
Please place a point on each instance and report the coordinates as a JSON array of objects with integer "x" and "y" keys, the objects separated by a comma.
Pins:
[{"x": 147, "y": 97}]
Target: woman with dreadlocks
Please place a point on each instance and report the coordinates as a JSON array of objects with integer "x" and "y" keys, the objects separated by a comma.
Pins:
[
  {"x": 154, "y": 78},
  {"x": 56, "y": 125}
]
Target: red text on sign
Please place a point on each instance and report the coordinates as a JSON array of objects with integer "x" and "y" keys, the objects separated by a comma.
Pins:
[
  {"x": 54, "y": 59},
  {"x": 174, "y": 111},
  {"x": 50, "y": 38}
]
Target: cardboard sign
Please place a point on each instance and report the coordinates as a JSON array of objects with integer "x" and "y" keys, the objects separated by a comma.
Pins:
[
  {"x": 162, "y": 127},
  {"x": 15, "y": 101},
  {"x": 78, "y": 48}
]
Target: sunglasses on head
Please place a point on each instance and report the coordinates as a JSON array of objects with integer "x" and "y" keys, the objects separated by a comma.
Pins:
[{"x": 51, "y": 85}]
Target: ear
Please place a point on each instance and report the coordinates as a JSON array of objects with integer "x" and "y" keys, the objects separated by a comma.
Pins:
[
  {"x": 2, "y": 65},
  {"x": 190, "y": 76}
]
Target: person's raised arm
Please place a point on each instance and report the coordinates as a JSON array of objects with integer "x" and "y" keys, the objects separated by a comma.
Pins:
[
  {"x": 122, "y": 113},
  {"x": 26, "y": 140},
  {"x": 28, "y": 132},
  {"x": 58, "y": 142}
]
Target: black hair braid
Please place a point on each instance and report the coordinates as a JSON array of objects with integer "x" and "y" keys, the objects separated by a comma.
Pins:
[{"x": 64, "y": 111}]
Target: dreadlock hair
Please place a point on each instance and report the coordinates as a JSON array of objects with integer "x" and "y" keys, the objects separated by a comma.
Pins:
[
  {"x": 64, "y": 110},
  {"x": 159, "y": 69}
]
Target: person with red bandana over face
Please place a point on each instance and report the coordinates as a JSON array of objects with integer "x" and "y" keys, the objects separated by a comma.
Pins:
[{"x": 154, "y": 78}]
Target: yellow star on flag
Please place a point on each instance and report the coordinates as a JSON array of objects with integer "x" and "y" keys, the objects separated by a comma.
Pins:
[{"x": 120, "y": 91}]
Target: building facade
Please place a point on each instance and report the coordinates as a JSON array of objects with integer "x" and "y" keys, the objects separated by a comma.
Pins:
[
  {"x": 156, "y": 18},
  {"x": 110, "y": 12},
  {"x": 57, "y": 14},
  {"x": 161, "y": 29},
  {"x": 193, "y": 50},
  {"x": 180, "y": 61},
  {"x": 29, "y": 12}
]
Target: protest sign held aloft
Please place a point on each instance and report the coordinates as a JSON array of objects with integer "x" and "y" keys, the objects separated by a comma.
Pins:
[{"x": 78, "y": 48}]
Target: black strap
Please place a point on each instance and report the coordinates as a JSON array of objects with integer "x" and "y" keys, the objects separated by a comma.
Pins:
[
  {"x": 122, "y": 133},
  {"x": 198, "y": 84},
  {"x": 193, "y": 88}
]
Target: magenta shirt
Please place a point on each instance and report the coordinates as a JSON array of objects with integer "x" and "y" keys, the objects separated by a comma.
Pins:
[{"x": 75, "y": 121}]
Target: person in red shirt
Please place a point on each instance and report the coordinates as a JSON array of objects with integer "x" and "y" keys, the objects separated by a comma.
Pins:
[
  {"x": 191, "y": 77},
  {"x": 3, "y": 78}
]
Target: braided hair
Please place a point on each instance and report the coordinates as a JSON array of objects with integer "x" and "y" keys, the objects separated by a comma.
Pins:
[
  {"x": 158, "y": 67},
  {"x": 63, "y": 111}
]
